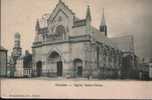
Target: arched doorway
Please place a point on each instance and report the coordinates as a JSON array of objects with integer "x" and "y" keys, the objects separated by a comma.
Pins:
[
  {"x": 55, "y": 60},
  {"x": 78, "y": 67},
  {"x": 39, "y": 68}
]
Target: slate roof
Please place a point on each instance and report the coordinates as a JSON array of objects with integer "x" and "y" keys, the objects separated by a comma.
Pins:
[
  {"x": 124, "y": 43},
  {"x": 99, "y": 36}
]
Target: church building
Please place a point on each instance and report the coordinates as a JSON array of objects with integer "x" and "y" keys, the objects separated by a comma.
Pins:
[{"x": 66, "y": 46}]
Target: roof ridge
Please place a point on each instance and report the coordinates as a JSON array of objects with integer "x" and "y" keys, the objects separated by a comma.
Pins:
[{"x": 67, "y": 7}]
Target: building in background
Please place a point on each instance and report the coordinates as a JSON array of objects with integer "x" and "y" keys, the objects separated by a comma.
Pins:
[
  {"x": 11, "y": 67},
  {"x": 144, "y": 69},
  {"x": 17, "y": 50},
  {"x": 16, "y": 54},
  {"x": 150, "y": 69},
  {"x": 19, "y": 65},
  {"x": 3, "y": 62}
]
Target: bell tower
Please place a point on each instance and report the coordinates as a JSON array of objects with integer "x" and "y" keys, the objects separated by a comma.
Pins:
[{"x": 17, "y": 50}]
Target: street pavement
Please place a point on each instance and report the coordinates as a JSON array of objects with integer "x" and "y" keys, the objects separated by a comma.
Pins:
[{"x": 75, "y": 88}]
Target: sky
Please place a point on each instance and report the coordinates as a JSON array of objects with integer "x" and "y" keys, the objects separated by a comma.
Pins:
[{"x": 123, "y": 17}]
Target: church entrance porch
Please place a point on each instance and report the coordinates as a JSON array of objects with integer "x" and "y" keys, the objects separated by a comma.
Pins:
[{"x": 56, "y": 64}]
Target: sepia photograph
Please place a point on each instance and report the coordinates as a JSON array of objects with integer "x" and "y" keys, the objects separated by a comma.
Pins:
[{"x": 76, "y": 49}]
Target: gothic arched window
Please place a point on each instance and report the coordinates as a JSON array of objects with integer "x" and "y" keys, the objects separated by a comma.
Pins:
[{"x": 60, "y": 32}]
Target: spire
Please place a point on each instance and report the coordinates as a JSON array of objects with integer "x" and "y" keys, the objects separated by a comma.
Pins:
[
  {"x": 37, "y": 27},
  {"x": 103, "y": 26},
  {"x": 60, "y": 1},
  {"x": 88, "y": 14},
  {"x": 103, "y": 21}
]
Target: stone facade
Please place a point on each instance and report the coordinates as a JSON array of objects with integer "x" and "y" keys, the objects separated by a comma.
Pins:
[{"x": 66, "y": 46}]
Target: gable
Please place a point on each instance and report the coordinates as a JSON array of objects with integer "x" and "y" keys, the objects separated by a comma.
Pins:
[
  {"x": 60, "y": 11},
  {"x": 61, "y": 7},
  {"x": 61, "y": 15}
]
